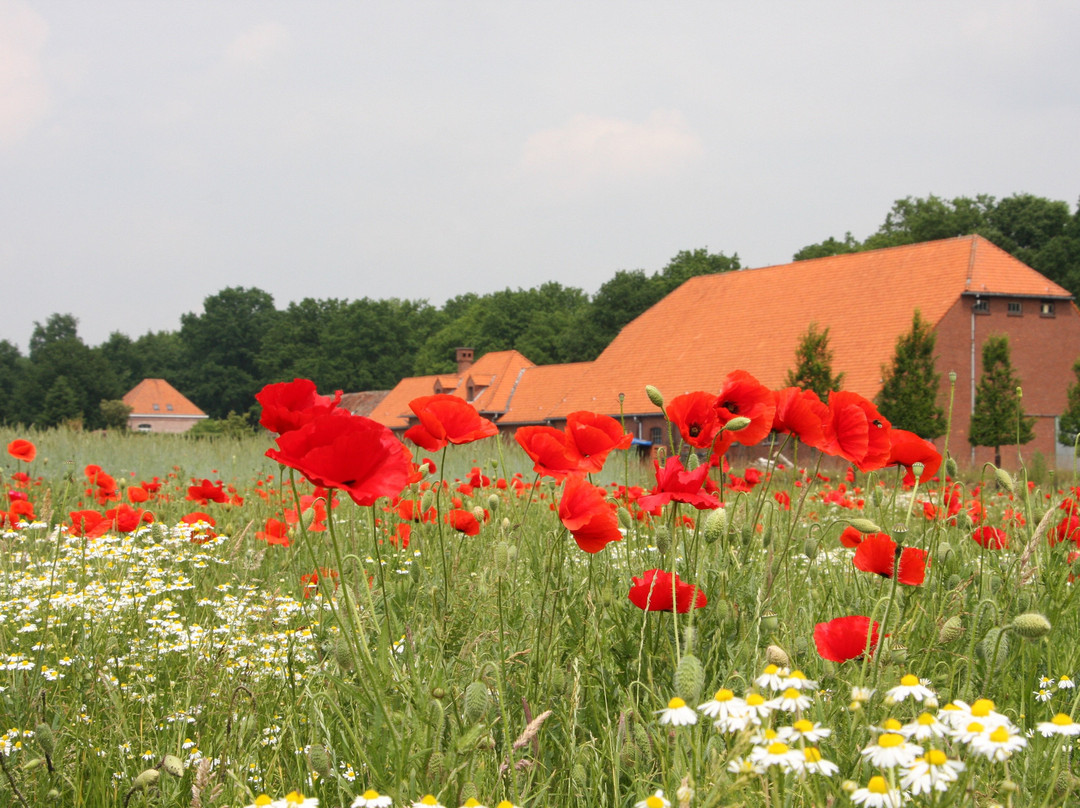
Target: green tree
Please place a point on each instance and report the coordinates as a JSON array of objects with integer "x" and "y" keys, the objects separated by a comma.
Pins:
[
  {"x": 1069, "y": 425},
  {"x": 12, "y": 368},
  {"x": 114, "y": 413},
  {"x": 61, "y": 405},
  {"x": 813, "y": 364},
  {"x": 829, "y": 246},
  {"x": 998, "y": 419},
  {"x": 908, "y": 398}
]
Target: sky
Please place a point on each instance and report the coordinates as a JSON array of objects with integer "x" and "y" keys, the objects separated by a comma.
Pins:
[{"x": 152, "y": 154}]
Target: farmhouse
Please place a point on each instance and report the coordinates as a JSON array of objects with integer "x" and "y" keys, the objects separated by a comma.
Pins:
[
  {"x": 966, "y": 288},
  {"x": 157, "y": 406}
]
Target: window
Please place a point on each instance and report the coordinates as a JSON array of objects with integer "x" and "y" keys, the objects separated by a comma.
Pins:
[
  {"x": 144, "y": 427},
  {"x": 157, "y": 407},
  {"x": 981, "y": 306},
  {"x": 1046, "y": 308},
  {"x": 1016, "y": 308},
  {"x": 656, "y": 434},
  {"x": 169, "y": 407}
]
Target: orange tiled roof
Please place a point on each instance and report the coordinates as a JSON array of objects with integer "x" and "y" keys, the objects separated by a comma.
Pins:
[
  {"x": 158, "y": 397},
  {"x": 363, "y": 403},
  {"x": 500, "y": 369},
  {"x": 542, "y": 388},
  {"x": 754, "y": 319}
]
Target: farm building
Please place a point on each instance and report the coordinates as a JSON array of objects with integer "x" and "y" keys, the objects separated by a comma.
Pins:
[
  {"x": 157, "y": 406},
  {"x": 966, "y": 288}
]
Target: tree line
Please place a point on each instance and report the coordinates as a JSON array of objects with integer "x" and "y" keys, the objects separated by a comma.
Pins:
[{"x": 220, "y": 357}]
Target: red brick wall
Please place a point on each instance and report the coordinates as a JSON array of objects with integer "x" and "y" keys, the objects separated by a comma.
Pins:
[{"x": 1042, "y": 349}]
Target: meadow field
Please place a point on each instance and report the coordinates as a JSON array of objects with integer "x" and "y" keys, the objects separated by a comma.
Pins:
[{"x": 190, "y": 623}]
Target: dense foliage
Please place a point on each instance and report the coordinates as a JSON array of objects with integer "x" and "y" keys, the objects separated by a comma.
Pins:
[
  {"x": 908, "y": 397},
  {"x": 813, "y": 364},
  {"x": 998, "y": 419}
]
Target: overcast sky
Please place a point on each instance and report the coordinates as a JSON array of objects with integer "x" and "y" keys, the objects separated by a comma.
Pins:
[{"x": 152, "y": 154}]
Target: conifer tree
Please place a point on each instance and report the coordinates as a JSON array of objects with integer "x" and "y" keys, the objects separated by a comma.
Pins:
[
  {"x": 908, "y": 398},
  {"x": 813, "y": 364},
  {"x": 1069, "y": 425},
  {"x": 998, "y": 419}
]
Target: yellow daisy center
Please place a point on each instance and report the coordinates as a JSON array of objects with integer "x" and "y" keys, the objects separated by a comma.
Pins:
[
  {"x": 778, "y": 748},
  {"x": 472, "y": 802},
  {"x": 262, "y": 799},
  {"x": 796, "y": 675},
  {"x": 654, "y": 802},
  {"x": 877, "y": 785},
  {"x": 926, "y": 720},
  {"x": 429, "y": 799},
  {"x": 909, "y": 680},
  {"x": 1061, "y": 720},
  {"x": 505, "y": 804},
  {"x": 755, "y": 699},
  {"x": 802, "y": 725},
  {"x": 791, "y": 693},
  {"x": 723, "y": 694},
  {"x": 676, "y": 703},
  {"x": 999, "y": 735},
  {"x": 975, "y": 726},
  {"x": 770, "y": 734},
  {"x": 935, "y": 757},
  {"x": 812, "y": 754},
  {"x": 890, "y": 739},
  {"x": 982, "y": 708},
  {"x": 891, "y": 724},
  {"x": 294, "y": 798},
  {"x": 770, "y": 670},
  {"x": 371, "y": 794}
]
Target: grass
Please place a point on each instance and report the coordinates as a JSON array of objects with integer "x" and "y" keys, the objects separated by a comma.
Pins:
[{"x": 518, "y": 670}]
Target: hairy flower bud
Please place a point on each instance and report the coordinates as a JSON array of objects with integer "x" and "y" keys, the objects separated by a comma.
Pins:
[
  {"x": 716, "y": 524},
  {"x": 692, "y": 461},
  {"x": 625, "y": 519},
  {"x": 173, "y": 765},
  {"x": 994, "y": 648},
  {"x": 1031, "y": 626},
  {"x": 477, "y": 701},
  {"x": 146, "y": 779},
  {"x": 655, "y": 396},
  {"x": 951, "y": 469},
  {"x": 950, "y": 630},
  {"x": 865, "y": 525},
  {"x": 43, "y": 733},
  {"x": 775, "y": 655},
  {"x": 689, "y": 678},
  {"x": 663, "y": 539},
  {"x": 319, "y": 760},
  {"x": 736, "y": 423},
  {"x": 1005, "y": 480}
]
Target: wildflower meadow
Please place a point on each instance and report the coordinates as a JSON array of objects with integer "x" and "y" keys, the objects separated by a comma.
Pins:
[{"x": 328, "y": 614}]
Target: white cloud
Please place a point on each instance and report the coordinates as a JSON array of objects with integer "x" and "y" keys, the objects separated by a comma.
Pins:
[
  {"x": 259, "y": 46},
  {"x": 24, "y": 92},
  {"x": 589, "y": 150}
]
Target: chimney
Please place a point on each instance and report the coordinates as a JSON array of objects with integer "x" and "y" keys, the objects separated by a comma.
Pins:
[{"x": 464, "y": 360}]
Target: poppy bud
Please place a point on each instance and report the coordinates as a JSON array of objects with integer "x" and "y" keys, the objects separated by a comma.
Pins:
[
  {"x": 436, "y": 716},
  {"x": 319, "y": 760},
  {"x": 655, "y": 396},
  {"x": 628, "y": 755},
  {"x": 715, "y": 525},
  {"x": 1005, "y": 480},
  {"x": 944, "y": 552},
  {"x": 689, "y": 637},
  {"x": 173, "y": 765},
  {"x": 775, "y": 655},
  {"x": 147, "y": 779},
  {"x": 878, "y": 496},
  {"x": 951, "y": 629},
  {"x": 735, "y": 424},
  {"x": 1009, "y": 786},
  {"x": 54, "y": 793},
  {"x": 865, "y": 526},
  {"x": 157, "y": 532},
  {"x": 993, "y": 648},
  {"x": 44, "y": 735},
  {"x": 343, "y": 653},
  {"x": 692, "y": 461},
  {"x": 478, "y": 512},
  {"x": 1031, "y": 626},
  {"x": 951, "y": 469},
  {"x": 810, "y": 548},
  {"x": 502, "y": 557},
  {"x": 663, "y": 539},
  {"x": 578, "y": 775},
  {"x": 435, "y": 769},
  {"x": 425, "y": 500},
  {"x": 746, "y": 533},
  {"x": 802, "y": 646},
  {"x": 1019, "y": 392},
  {"x": 625, "y": 519},
  {"x": 477, "y": 701},
  {"x": 689, "y": 678},
  {"x": 493, "y": 502},
  {"x": 33, "y": 764},
  {"x": 468, "y": 791}
]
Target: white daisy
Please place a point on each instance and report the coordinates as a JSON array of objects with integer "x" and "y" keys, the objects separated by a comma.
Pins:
[
  {"x": 777, "y": 753},
  {"x": 923, "y": 728},
  {"x": 999, "y": 744},
  {"x": 772, "y": 678},
  {"x": 723, "y": 704},
  {"x": 891, "y": 750},
  {"x": 1045, "y": 682},
  {"x": 677, "y": 713},
  {"x": 294, "y": 799},
  {"x": 813, "y": 763},
  {"x": 797, "y": 679},
  {"x": 791, "y": 700},
  {"x": 744, "y": 765},
  {"x": 758, "y": 706},
  {"x": 1044, "y": 694},
  {"x": 1060, "y": 724},
  {"x": 427, "y": 801},
  {"x": 910, "y": 685},
  {"x": 931, "y": 772},
  {"x": 657, "y": 800},
  {"x": 877, "y": 794},
  {"x": 1065, "y": 683},
  {"x": 861, "y": 694},
  {"x": 804, "y": 730},
  {"x": 981, "y": 710},
  {"x": 372, "y": 799}
]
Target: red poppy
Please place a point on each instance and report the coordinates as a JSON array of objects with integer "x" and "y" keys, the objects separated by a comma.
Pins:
[
  {"x": 401, "y": 534},
  {"x": 695, "y": 416},
  {"x": 857, "y": 431},
  {"x": 586, "y": 512},
  {"x": 743, "y": 395},
  {"x": 802, "y": 414},
  {"x": 879, "y": 554},
  {"x": 206, "y": 492},
  {"x": 845, "y": 638},
  {"x": 447, "y": 419},
  {"x": 595, "y": 436},
  {"x": 675, "y": 483},
  {"x": 275, "y": 532},
  {"x": 992, "y": 538},
  {"x": 477, "y": 478},
  {"x": 22, "y": 509},
  {"x": 410, "y": 511},
  {"x": 125, "y": 518},
  {"x": 850, "y": 537},
  {"x": 907, "y": 449},
  {"x": 22, "y": 449},
  {"x": 137, "y": 494},
  {"x": 463, "y": 521},
  {"x": 198, "y": 516},
  {"x": 355, "y": 454},
  {"x": 89, "y": 524},
  {"x": 290, "y": 405},
  {"x": 310, "y": 582},
  {"x": 552, "y": 453},
  {"x": 658, "y": 591}
]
